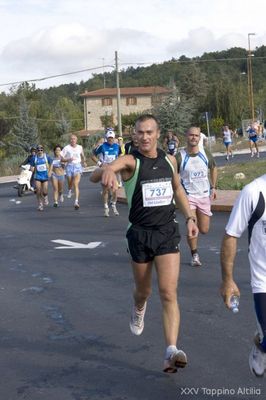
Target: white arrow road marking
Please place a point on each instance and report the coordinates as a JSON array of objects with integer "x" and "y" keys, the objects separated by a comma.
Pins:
[{"x": 75, "y": 245}]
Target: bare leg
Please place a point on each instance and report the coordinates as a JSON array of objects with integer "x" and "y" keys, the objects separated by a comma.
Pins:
[
  {"x": 167, "y": 267},
  {"x": 76, "y": 181},
  {"x": 55, "y": 184},
  {"x": 142, "y": 274}
]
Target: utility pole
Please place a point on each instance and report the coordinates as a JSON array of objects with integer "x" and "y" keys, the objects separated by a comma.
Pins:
[
  {"x": 208, "y": 128},
  {"x": 104, "y": 83},
  {"x": 118, "y": 96},
  {"x": 250, "y": 80}
]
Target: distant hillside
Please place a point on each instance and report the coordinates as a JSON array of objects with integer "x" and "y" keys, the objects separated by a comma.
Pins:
[{"x": 215, "y": 83}]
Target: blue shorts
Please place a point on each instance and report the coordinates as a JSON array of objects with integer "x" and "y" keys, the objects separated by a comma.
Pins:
[
  {"x": 58, "y": 177},
  {"x": 227, "y": 143},
  {"x": 253, "y": 139},
  {"x": 73, "y": 169}
]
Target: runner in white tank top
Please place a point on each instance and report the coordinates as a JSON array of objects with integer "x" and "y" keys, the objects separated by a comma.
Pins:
[
  {"x": 227, "y": 139},
  {"x": 194, "y": 164}
]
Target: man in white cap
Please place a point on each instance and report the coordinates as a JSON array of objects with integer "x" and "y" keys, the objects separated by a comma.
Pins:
[{"x": 102, "y": 155}]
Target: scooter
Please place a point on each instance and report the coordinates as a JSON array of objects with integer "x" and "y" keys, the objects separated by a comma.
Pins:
[{"x": 23, "y": 180}]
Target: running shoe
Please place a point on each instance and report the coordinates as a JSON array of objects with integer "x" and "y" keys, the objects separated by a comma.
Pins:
[
  {"x": 40, "y": 207},
  {"x": 177, "y": 359},
  {"x": 114, "y": 209},
  {"x": 55, "y": 204},
  {"x": 45, "y": 200},
  {"x": 195, "y": 262},
  {"x": 258, "y": 155},
  {"x": 106, "y": 212},
  {"x": 257, "y": 359},
  {"x": 76, "y": 205},
  {"x": 61, "y": 198},
  {"x": 137, "y": 320},
  {"x": 252, "y": 155},
  {"x": 69, "y": 194},
  {"x": 227, "y": 158}
]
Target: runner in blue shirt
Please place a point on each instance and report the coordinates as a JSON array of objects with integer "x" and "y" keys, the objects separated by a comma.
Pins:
[
  {"x": 41, "y": 166},
  {"x": 253, "y": 138},
  {"x": 102, "y": 155}
]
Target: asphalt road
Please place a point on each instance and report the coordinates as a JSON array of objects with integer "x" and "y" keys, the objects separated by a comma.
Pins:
[
  {"x": 239, "y": 158},
  {"x": 65, "y": 312}
]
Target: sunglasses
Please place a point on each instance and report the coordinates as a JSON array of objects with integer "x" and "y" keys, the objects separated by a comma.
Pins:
[{"x": 39, "y": 149}]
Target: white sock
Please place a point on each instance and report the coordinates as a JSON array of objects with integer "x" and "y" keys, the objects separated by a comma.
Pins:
[
  {"x": 170, "y": 350},
  {"x": 105, "y": 205}
]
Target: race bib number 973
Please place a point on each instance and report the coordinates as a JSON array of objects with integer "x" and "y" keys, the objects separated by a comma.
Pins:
[
  {"x": 198, "y": 175},
  {"x": 157, "y": 193}
]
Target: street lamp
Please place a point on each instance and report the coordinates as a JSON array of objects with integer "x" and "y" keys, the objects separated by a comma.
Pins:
[{"x": 250, "y": 79}]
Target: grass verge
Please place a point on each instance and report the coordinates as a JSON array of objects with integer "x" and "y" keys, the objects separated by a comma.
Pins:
[{"x": 226, "y": 180}]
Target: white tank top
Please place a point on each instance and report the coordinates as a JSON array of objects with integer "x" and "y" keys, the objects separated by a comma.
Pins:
[
  {"x": 227, "y": 136},
  {"x": 194, "y": 174}
]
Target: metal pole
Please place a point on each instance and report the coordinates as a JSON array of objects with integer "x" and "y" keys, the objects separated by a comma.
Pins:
[
  {"x": 118, "y": 96},
  {"x": 104, "y": 83},
  {"x": 208, "y": 129},
  {"x": 250, "y": 79}
]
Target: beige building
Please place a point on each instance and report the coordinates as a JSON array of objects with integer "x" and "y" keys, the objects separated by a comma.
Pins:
[{"x": 100, "y": 105}]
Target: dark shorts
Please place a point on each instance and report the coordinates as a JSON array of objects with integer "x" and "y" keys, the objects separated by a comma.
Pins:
[
  {"x": 41, "y": 180},
  {"x": 253, "y": 139},
  {"x": 144, "y": 244}
]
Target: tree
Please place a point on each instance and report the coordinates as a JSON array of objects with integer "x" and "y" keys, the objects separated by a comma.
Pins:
[
  {"x": 175, "y": 112},
  {"x": 24, "y": 132},
  {"x": 107, "y": 120},
  {"x": 128, "y": 121},
  {"x": 63, "y": 126}
]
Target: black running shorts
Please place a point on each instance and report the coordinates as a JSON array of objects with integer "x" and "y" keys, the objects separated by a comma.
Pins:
[{"x": 146, "y": 243}]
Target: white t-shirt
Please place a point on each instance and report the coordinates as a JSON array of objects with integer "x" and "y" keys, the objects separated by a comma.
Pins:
[
  {"x": 72, "y": 152},
  {"x": 249, "y": 211}
]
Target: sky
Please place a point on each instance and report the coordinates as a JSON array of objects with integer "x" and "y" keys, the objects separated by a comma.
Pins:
[{"x": 43, "y": 38}]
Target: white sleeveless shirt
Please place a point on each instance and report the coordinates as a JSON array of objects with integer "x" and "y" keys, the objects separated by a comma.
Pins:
[{"x": 194, "y": 174}]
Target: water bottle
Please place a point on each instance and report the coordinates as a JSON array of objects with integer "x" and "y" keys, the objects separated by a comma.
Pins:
[{"x": 234, "y": 303}]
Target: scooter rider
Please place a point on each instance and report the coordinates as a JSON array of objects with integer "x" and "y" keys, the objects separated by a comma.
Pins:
[
  {"x": 31, "y": 156},
  {"x": 28, "y": 160}
]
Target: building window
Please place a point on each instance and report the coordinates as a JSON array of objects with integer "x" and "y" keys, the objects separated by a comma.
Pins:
[
  {"x": 107, "y": 101},
  {"x": 131, "y": 101}
]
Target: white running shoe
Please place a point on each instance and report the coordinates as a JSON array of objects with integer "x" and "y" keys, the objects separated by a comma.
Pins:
[
  {"x": 106, "y": 212},
  {"x": 40, "y": 207},
  {"x": 69, "y": 194},
  {"x": 114, "y": 209},
  {"x": 257, "y": 359},
  {"x": 195, "y": 262},
  {"x": 137, "y": 320},
  {"x": 45, "y": 200},
  {"x": 61, "y": 198},
  {"x": 177, "y": 359},
  {"x": 76, "y": 205},
  {"x": 252, "y": 154}
]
